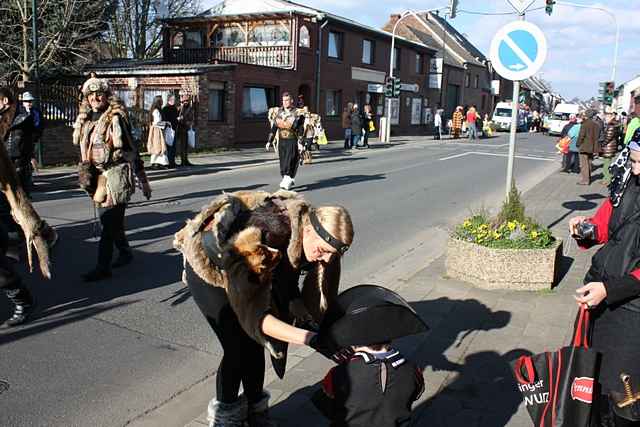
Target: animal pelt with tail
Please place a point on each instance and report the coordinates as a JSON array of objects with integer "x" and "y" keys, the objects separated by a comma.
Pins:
[{"x": 253, "y": 252}]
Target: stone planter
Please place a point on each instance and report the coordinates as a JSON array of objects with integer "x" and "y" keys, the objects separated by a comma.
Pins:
[{"x": 488, "y": 268}]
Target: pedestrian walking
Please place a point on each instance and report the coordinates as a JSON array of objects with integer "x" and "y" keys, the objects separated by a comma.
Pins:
[
  {"x": 13, "y": 135},
  {"x": 170, "y": 115},
  {"x": 185, "y": 125},
  {"x": 588, "y": 146},
  {"x": 471, "y": 117},
  {"x": 109, "y": 159},
  {"x": 456, "y": 122},
  {"x": 249, "y": 311},
  {"x": 288, "y": 126},
  {"x": 346, "y": 125},
  {"x": 437, "y": 125},
  {"x": 356, "y": 126},
  {"x": 611, "y": 288},
  {"x": 610, "y": 148},
  {"x": 368, "y": 124},
  {"x": 156, "y": 145}
]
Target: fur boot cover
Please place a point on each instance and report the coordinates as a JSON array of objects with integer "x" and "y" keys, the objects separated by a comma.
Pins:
[
  {"x": 220, "y": 414},
  {"x": 259, "y": 412},
  {"x": 250, "y": 293}
]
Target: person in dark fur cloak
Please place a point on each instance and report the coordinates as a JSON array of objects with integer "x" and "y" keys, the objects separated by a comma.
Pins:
[
  {"x": 109, "y": 161},
  {"x": 243, "y": 255}
]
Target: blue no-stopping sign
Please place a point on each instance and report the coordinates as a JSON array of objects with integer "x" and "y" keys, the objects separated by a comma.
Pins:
[{"x": 518, "y": 50}]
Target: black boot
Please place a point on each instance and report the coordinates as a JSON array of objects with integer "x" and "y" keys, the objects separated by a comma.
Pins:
[
  {"x": 259, "y": 412},
  {"x": 24, "y": 306},
  {"x": 124, "y": 258}
]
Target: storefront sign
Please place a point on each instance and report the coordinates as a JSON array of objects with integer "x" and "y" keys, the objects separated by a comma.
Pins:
[{"x": 375, "y": 88}]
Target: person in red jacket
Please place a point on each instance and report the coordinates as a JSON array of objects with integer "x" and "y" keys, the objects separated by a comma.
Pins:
[{"x": 612, "y": 285}]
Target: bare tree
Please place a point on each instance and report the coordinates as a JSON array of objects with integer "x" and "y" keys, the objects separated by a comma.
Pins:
[
  {"x": 135, "y": 27},
  {"x": 66, "y": 28}
]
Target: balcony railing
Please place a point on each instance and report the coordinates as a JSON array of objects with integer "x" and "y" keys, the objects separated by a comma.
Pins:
[{"x": 266, "y": 56}]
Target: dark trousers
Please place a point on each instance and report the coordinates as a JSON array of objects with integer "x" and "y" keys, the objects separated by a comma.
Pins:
[
  {"x": 437, "y": 132},
  {"x": 112, "y": 220},
  {"x": 347, "y": 139},
  {"x": 183, "y": 145},
  {"x": 171, "y": 153},
  {"x": 289, "y": 157},
  {"x": 570, "y": 162},
  {"x": 242, "y": 361},
  {"x": 365, "y": 137},
  {"x": 10, "y": 282}
]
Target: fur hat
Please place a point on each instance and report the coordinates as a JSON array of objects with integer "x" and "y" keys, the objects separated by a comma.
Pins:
[{"x": 94, "y": 84}]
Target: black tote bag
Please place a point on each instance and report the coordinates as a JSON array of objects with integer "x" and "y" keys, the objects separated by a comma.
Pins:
[{"x": 557, "y": 387}]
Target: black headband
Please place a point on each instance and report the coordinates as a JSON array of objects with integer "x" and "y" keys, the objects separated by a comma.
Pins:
[{"x": 324, "y": 234}]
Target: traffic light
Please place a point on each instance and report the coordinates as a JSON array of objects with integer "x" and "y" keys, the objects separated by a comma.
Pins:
[
  {"x": 396, "y": 87},
  {"x": 388, "y": 87},
  {"x": 609, "y": 89},
  {"x": 453, "y": 8},
  {"x": 549, "y": 7}
]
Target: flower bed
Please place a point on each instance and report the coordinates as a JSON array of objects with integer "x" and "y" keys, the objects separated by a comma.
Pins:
[{"x": 518, "y": 255}]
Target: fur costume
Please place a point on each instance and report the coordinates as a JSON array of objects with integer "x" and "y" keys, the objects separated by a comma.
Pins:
[
  {"x": 247, "y": 282},
  {"x": 106, "y": 150}
]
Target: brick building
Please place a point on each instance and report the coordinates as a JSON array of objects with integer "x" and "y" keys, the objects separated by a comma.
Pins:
[
  {"x": 237, "y": 59},
  {"x": 466, "y": 78}
]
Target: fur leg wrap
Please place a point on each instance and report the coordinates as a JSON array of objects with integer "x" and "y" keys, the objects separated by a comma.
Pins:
[
  {"x": 259, "y": 412},
  {"x": 220, "y": 414}
]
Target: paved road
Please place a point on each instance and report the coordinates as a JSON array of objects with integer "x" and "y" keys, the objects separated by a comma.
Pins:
[{"x": 108, "y": 353}]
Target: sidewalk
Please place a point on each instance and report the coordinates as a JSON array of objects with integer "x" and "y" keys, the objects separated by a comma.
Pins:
[{"x": 474, "y": 333}]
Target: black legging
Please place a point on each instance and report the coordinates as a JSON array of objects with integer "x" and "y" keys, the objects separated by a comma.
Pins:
[
  {"x": 243, "y": 359},
  {"x": 112, "y": 220}
]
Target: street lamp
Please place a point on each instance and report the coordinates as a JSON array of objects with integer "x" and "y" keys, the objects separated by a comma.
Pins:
[
  {"x": 615, "y": 21},
  {"x": 404, "y": 15}
]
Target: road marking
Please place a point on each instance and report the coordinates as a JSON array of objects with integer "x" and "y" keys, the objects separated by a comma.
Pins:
[{"x": 497, "y": 155}]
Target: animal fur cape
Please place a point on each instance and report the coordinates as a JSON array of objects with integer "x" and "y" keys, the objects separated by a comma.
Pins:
[
  {"x": 21, "y": 209},
  {"x": 251, "y": 300}
]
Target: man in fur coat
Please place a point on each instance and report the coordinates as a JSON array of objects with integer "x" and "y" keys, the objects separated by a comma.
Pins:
[
  {"x": 110, "y": 160},
  {"x": 17, "y": 217},
  {"x": 288, "y": 127},
  {"x": 244, "y": 254}
]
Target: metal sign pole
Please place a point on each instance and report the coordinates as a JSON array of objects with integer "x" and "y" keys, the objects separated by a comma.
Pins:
[{"x": 512, "y": 136}]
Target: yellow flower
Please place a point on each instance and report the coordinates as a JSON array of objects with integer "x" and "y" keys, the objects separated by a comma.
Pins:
[
  {"x": 466, "y": 224},
  {"x": 534, "y": 234},
  {"x": 512, "y": 225},
  {"x": 523, "y": 227},
  {"x": 496, "y": 235}
]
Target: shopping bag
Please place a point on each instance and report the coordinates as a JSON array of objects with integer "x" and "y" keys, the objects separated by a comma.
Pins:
[
  {"x": 372, "y": 126},
  {"x": 322, "y": 139},
  {"x": 169, "y": 136},
  {"x": 191, "y": 138},
  {"x": 563, "y": 145},
  {"x": 557, "y": 387}
]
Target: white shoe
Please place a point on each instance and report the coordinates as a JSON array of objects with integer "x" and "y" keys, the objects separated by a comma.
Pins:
[{"x": 283, "y": 183}]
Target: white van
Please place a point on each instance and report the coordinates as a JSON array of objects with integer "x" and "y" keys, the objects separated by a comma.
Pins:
[
  {"x": 502, "y": 117},
  {"x": 560, "y": 117}
]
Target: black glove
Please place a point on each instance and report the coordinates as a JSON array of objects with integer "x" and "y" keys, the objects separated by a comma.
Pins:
[{"x": 324, "y": 345}]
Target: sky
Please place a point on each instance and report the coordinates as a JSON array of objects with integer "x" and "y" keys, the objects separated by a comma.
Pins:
[{"x": 581, "y": 41}]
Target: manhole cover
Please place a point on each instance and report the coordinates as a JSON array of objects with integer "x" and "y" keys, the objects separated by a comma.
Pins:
[{"x": 4, "y": 386}]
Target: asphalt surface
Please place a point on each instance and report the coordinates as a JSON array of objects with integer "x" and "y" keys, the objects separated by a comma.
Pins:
[{"x": 106, "y": 354}]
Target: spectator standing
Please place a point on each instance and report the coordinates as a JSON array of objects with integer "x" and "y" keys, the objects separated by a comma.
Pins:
[
  {"x": 356, "y": 127},
  {"x": 588, "y": 146},
  {"x": 568, "y": 157},
  {"x": 156, "y": 145},
  {"x": 610, "y": 147},
  {"x": 170, "y": 115},
  {"x": 367, "y": 124},
  {"x": 185, "y": 123},
  {"x": 437, "y": 124},
  {"x": 346, "y": 125}
]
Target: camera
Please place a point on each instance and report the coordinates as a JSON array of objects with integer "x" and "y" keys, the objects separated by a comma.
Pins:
[{"x": 585, "y": 231}]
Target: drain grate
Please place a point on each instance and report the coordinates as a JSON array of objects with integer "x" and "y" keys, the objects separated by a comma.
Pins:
[{"x": 4, "y": 386}]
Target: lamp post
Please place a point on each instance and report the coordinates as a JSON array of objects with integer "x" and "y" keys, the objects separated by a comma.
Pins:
[
  {"x": 36, "y": 65},
  {"x": 404, "y": 15}
]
